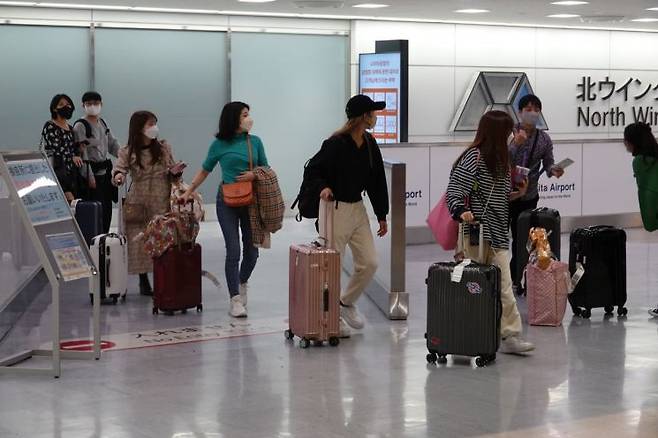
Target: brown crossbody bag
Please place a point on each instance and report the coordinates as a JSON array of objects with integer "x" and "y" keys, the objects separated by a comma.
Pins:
[{"x": 240, "y": 194}]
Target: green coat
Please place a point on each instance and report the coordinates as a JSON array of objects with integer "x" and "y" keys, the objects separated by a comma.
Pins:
[{"x": 646, "y": 176}]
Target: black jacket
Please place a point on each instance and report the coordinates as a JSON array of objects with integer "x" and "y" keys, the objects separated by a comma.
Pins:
[{"x": 349, "y": 170}]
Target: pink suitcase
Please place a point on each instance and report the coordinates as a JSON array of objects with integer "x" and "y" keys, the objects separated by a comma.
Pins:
[
  {"x": 547, "y": 293},
  {"x": 314, "y": 284}
]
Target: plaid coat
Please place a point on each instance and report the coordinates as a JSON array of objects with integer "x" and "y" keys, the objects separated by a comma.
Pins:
[{"x": 266, "y": 213}]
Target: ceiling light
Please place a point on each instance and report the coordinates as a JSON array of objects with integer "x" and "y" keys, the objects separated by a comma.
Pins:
[
  {"x": 256, "y": 1},
  {"x": 645, "y": 20},
  {"x": 472, "y": 11},
  {"x": 371, "y": 5},
  {"x": 569, "y": 3},
  {"x": 563, "y": 16},
  {"x": 652, "y": 9}
]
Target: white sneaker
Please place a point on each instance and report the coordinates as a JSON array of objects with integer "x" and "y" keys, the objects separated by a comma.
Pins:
[
  {"x": 515, "y": 345},
  {"x": 344, "y": 329},
  {"x": 244, "y": 288},
  {"x": 351, "y": 316},
  {"x": 237, "y": 308}
]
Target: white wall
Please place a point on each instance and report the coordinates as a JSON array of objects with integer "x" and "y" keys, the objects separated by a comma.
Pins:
[{"x": 444, "y": 57}]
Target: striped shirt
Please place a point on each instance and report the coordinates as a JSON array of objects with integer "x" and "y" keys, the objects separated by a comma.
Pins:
[{"x": 471, "y": 185}]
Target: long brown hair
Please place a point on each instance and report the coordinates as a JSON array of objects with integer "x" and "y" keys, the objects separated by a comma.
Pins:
[
  {"x": 491, "y": 139},
  {"x": 136, "y": 137},
  {"x": 350, "y": 125}
]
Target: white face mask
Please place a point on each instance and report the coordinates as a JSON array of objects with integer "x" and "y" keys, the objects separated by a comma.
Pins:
[
  {"x": 530, "y": 118},
  {"x": 247, "y": 124},
  {"x": 152, "y": 132},
  {"x": 92, "y": 110}
]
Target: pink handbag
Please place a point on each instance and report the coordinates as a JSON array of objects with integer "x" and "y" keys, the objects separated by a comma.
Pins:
[
  {"x": 547, "y": 293},
  {"x": 444, "y": 228}
]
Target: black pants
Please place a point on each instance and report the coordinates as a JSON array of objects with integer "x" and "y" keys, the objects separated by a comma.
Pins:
[
  {"x": 104, "y": 193},
  {"x": 515, "y": 210}
]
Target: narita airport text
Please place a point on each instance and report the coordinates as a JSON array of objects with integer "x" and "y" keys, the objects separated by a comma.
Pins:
[
  {"x": 555, "y": 187},
  {"x": 616, "y": 116}
]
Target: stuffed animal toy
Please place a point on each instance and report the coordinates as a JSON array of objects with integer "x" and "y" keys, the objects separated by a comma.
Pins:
[{"x": 540, "y": 247}]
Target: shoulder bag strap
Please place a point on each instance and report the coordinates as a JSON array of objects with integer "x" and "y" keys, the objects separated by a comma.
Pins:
[{"x": 251, "y": 163}]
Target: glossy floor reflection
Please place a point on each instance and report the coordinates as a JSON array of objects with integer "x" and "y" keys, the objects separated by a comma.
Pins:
[{"x": 586, "y": 379}]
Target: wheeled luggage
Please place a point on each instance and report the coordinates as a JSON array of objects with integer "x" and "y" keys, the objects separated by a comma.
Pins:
[
  {"x": 109, "y": 252},
  {"x": 463, "y": 318},
  {"x": 547, "y": 293},
  {"x": 542, "y": 217},
  {"x": 464, "y": 308},
  {"x": 177, "y": 280},
  {"x": 314, "y": 286},
  {"x": 601, "y": 252},
  {"x": 89, "y": 216}
]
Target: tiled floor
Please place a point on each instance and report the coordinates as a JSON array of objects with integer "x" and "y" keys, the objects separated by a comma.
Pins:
[{"x": 588, "y": 378}]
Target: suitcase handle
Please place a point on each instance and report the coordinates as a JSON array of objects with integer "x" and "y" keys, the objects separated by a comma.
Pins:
[
  {"x": 107, "y": 273},
  {"x": 325, "y": 297}
]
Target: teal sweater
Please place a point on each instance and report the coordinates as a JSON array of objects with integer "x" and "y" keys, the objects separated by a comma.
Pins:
[
  {"x": 646, "y": 176},
  {"x": 233, "y": 156}
]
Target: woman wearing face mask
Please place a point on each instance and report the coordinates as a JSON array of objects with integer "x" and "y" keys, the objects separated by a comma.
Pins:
[
  {"x": 531, "y": 148},
  {"x": 58, "y": 143},
  {"x": 150, "y": 164},
  {"x": 348, "y": 164},
  {"x": 231, "y": 149},
  {"x": 641, "y": 143}
]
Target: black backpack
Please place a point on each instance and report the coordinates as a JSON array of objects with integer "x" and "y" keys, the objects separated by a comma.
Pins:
[
  {"x": 308, "y": 198},
  {"x": 87, "y": 125}
]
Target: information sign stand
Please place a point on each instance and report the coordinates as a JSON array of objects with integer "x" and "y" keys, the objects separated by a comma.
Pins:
[{"x": 59, "y": 243}]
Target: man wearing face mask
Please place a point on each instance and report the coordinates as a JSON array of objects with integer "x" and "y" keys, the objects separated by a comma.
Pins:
[
  {"x": 97, "y": 142},
  {"x": 532, "y": 149}
]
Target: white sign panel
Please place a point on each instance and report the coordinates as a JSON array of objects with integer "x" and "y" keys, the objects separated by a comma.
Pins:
[
  {"x": 69, "y": 256},
  {"x": 566, "y": 193},
  {"x": 38, "y": 189},
  {"x": 417, "y": 193},
  {"x": 379, "y": 78}
]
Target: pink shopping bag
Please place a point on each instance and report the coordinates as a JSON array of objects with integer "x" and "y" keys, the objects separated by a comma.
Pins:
[
  {"x": 444, "y": 228},
  {"x": 547, "y": 293}
]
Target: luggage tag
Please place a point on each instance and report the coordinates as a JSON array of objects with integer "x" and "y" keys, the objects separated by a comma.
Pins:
[
  {"x": 577, "y": 276},
  {"x": 458, "y": 272}
]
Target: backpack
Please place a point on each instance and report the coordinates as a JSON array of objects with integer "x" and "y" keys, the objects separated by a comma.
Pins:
[
  {"x": 87, "y": 125},
  {"x": 308, "y": 198}
]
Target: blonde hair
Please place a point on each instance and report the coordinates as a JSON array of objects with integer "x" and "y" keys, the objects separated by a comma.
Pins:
[{"x": 350, "y": 125}]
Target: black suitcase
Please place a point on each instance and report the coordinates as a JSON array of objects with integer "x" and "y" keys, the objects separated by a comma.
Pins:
[
  {"x": 89, "y": 215},
  {"x": 543, "y": 217},
  {"x": 463, "y": 318},
  {"x": 602, "y": 252}
]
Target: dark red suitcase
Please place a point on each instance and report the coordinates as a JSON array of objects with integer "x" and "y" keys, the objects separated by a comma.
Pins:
[{"x": 177, "y": 280}]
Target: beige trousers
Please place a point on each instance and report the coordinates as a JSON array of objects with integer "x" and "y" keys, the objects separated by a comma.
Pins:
[
  {"x": 352, "y": 228},
  {"x": 510, "y": 324}
]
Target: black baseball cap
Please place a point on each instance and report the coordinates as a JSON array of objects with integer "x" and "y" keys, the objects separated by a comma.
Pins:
[{"x": 361, "y": 104}]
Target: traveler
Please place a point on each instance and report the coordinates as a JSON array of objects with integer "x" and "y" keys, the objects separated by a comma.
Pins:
[
  {"x": 531, "y": 148},
  {"x": 232, "y": 148},
  {"x": 348, "y": 164},
  {"x": 58, "y": 142},
  {"x": 150, "y": 164},
  {"x": 480, "y": 190},
  {"x": 97, "y": 142},
  {"x": 640, "y": 142}
]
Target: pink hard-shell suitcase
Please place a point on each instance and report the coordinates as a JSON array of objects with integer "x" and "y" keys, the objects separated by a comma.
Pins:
[
  {"x": 314, "y": 285},
  {"x": 547, "y": 293}
]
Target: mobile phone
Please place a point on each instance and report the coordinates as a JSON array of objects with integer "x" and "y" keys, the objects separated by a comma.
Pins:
[
  {"x": 565, "y": 163},
  {"x": 474, "y": 234}
]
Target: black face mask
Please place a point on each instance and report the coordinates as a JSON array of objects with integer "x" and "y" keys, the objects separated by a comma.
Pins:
[{"x": 66, "y": 112}]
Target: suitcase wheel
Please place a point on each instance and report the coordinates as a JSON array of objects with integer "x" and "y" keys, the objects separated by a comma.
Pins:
[
  {"x": 91, "y": 298},
  {"x": 123, "y": 298},
  {"x": 115, "y": 300},
  {"x": 289, "y": 335},
  {"x": 199, "y": 308},
  {"x": 304, "y": 343},
  {"x": 621, "y": 311},
  {"x": 485, "y": 360},
  {"x": 184, "y": 311},
  {"x": 586, "y": 313},
  {"x": 608, "y": 310},
  {"x": 577, "y": 311},
  {"x": 334, "y": 341},
  {"x": 432, "y": 358},
  {"x": 155, "y": 311}
]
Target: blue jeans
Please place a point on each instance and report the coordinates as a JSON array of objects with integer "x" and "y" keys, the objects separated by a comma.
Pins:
[{"x": 231, "y": 221}]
